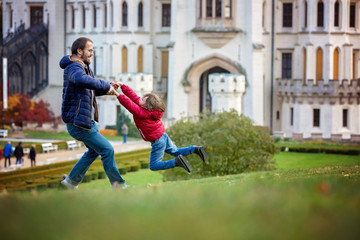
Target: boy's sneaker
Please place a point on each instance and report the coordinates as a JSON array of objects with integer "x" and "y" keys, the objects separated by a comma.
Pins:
[
  {"x": 181, "y": 162},
  {"x": 68, "y": 185},
  {"x": 117, "y": 185},
  {"x": 201, "y": 152}
]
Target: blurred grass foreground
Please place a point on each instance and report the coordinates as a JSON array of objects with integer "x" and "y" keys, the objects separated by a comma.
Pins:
[
  {"x": 246, "y": 190},
  {"x": 317, "y": 201}
]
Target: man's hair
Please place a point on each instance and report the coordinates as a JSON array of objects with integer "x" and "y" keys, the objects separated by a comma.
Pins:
[
  {"x": 79, "y": 43},
  {"x": 153, "y": 101}
]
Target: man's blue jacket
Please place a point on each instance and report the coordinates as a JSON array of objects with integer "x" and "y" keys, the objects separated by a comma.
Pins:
[{"x": 77, "y": 93}]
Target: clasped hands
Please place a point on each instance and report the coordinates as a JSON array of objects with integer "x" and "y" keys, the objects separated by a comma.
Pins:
[{"x": 113, "y": 86}]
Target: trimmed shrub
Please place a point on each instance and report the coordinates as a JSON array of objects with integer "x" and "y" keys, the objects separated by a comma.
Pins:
[
  {"x": 144, "y": 164},
  {"x": 87, "y": 178},
  {"x": 123, "y": 170},
  {"x": 53, "y": 183},
  {"x": 94, "y": 175},
  {"x": 101, "y": 175},
  {"x": 232, "y": 142}
]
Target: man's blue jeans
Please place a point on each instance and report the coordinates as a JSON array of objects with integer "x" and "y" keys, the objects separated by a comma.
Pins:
[
  {"x": 164, "y": 144},
  {"x": 97, "y": 145}
]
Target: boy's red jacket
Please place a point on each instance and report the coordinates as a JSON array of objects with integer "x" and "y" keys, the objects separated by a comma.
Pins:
[{"x": 147, "y": 121}]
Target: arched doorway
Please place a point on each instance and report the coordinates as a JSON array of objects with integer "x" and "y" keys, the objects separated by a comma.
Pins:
[
  {"x": 205, "y": 97},
  {"x": 196, "y": 80}
]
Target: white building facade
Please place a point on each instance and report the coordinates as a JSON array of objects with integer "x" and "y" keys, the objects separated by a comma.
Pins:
[{"x": 294, "y": 70}]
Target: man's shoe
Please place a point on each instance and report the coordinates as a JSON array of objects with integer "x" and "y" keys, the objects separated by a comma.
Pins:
[
  {"x": 201, "y": 152},
  {"x": 181, "y": 162},
  {"x": 69, "y": 185}
]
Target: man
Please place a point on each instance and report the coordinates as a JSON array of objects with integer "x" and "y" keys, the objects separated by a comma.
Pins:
[
  {"x": 7, "y": 153},
  {"x": 79, "y": 112}
]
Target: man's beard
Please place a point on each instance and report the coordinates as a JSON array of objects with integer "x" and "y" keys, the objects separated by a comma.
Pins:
[{"x": 85, "y": 60}]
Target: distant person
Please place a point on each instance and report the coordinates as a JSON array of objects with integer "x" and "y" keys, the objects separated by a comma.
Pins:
[
  {"x": 1, "y": 153},
  {"x": 124, "y": 132},
  {"x": 32, "y": 155},
  {"x": 7, "y": 153},
  {"x": 147, "y": 112},
  {"x": 19, "y": 153},
  {"x": 80, "y": 113}
]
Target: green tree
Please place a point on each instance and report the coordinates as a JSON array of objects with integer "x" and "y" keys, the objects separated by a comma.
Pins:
[{"x": 232, "y": 142}]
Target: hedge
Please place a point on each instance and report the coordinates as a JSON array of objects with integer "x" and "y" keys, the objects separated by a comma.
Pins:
[
  {"x": 49, "y": 176},
  {"x": 323, "y": 150}
]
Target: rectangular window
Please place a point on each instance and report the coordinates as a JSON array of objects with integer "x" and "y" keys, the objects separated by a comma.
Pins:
[
  {"x": 228, "y": 9},
  {"x": 105, "y": 15},
  {"x": 94, "y": 16},
  {"x": 84, "y": 16},
  {"x": 352, "y": 15},
  {"x": 320, "y": 14},
  {"x": 218, "y": 8},
  {"x": 345, "y": 117},
  {"x": 336, "y": 14},
  {"x": 286, "y": 66},
  {"x": 287, "y": 14},
  {"x": 10, "y": 17},
  {"x": 291, "y": 116},
  {"x": 36, "y": 15},
  {"x": 277, "y": 115},
  {"x": 72, "y": 17},
  {"x": 166, "y": 15},
  {"x": 316, "y": 117},
  {"x": 209, "y": 8},
  {"x": 118, "y": 110}
]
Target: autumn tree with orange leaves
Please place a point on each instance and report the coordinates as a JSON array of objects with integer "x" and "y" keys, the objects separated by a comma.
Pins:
[{"x": 21, "y": 109}]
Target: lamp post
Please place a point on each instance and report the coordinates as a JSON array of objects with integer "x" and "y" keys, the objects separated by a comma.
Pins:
[{"x": 5, "y": 87}]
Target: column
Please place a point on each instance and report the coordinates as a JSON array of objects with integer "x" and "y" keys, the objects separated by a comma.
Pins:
[
  {"x": 328, "y": 66},
  {"x": 132, "y": 55},
  {"x": 347, "y": 61},
  {"x": 310, "y": 63}
]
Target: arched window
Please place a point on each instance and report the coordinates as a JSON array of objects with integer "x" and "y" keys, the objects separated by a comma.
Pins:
[
  {"x": 320, "y": 14},
  {"x": 319, "y": 65},
  {"x": 304, "y": 67},
  {"x": 124, "y": 58},
  {"x": 14, "y": 79},
  {"x": 140, "y": 59},
  {"x": 336, "y": 64},
  {"x": 124, "y": 14},
  {"x": 336, "y": 13},
  {"x": 42, "y": 80},
  {"x": 140, "y": 15},
  {"x": 29, "y": 83}
]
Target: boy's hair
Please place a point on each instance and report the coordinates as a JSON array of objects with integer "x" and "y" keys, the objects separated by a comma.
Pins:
[
  {"x": 153, "y": 101},
  {"x": 79, "y": 43}
]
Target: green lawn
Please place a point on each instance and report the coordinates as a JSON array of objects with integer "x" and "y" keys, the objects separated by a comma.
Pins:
[{"x": 309, "y": 196}]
